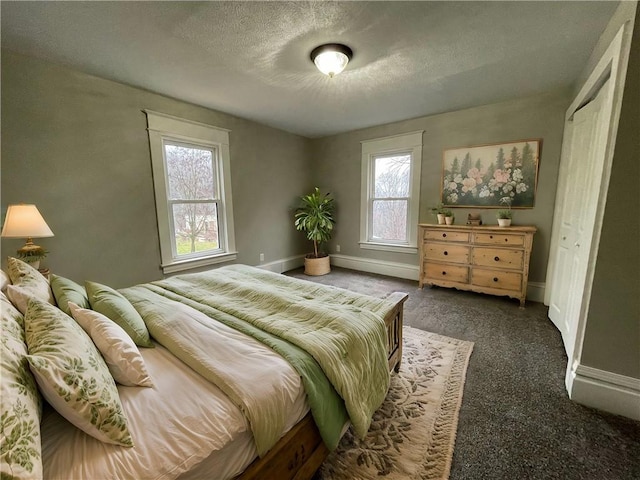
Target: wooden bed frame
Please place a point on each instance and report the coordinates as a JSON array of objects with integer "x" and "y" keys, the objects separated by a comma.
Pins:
[{"x": 301, "y": 451}]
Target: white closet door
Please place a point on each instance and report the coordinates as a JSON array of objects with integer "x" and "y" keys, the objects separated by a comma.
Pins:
[{"x": 576, "y": 204}]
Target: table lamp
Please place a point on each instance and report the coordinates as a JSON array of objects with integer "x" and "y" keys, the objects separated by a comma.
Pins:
[{"x": 25, "y": 221}]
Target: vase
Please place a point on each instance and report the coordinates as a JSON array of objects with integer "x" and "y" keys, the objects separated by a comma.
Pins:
[
  {"x": 504, "y": 222},
  {"x": 448, "y": 220},
  {"x": 441, "y": 219},
  {"x": 34, "y": 263}
]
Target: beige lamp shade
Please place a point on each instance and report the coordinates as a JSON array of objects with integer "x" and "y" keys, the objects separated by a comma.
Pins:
[{"x": 25, "y": 221}]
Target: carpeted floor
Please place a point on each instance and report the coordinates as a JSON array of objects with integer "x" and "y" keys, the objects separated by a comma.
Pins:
[{"x": 516, "y": 421}]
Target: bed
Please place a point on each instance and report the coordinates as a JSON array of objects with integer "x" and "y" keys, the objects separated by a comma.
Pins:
[{"x": 255, "y": 375}]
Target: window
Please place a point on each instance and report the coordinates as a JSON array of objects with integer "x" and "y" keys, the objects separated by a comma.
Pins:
[
  {"x": 390, "y": 192},
  {"x": 192, "y": 186}
]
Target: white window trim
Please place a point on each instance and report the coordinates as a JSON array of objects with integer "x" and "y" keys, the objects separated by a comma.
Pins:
[
  {"x": 403, "y": 143},
  {"x": 163, "y": 127}
]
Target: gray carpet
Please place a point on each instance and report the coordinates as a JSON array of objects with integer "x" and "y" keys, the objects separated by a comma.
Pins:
[{"x": 516, "y": 421}]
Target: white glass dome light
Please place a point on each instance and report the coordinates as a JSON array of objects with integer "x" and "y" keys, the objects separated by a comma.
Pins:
[{"x": 331, "y": 58}]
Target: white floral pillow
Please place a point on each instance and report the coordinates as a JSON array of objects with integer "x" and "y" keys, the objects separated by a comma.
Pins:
[
  {"x": 4, "y": 281},
  {"x": 72, "y": 375},
  {"x": 116, "y": 346},
  {"x": 21, "y": 456},
  {"x": 27, "y": 283}
]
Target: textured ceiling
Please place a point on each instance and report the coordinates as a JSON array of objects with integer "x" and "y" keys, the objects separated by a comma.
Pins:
[{"x": 251, "y": 59}]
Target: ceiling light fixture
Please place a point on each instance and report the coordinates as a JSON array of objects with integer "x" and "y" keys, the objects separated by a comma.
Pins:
[{"x": 331, "y": 58}]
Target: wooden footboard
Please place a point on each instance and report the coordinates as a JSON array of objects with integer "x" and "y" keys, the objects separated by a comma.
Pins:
[
  {"x": 301, "y": 451},
  {"x": 393, "y": 320}
]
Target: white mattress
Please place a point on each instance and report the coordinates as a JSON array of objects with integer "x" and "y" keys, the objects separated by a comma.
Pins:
[{"x": 184, "y": 427}]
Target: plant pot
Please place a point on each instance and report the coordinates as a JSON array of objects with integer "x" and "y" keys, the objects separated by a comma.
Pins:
[
  {"x": 504, "y": 222},
  {"x": 448, "y": 220},
  {"x": 317, "y": 266},
  {"x": 441, "y": 219}
]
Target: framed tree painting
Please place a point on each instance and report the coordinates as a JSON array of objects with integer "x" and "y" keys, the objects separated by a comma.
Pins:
[{"x": 484, "y": 175}]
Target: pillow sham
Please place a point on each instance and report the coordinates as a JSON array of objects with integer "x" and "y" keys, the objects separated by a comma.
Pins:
[
  {"x": 118, "y": 349},
  {"x": 21, "y": 402},
  {"x": 30, "y": 281},
  {"x": 116, "y": 307},
  {"x": 20, "y": 296},
  {"x": 4, "y": 281},
  {"x": 65, "y": 291},
  {"x": 72, "y": 375}
]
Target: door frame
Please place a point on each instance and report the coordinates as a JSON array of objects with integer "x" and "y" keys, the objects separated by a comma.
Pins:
[{"x": 612, "y": 65}]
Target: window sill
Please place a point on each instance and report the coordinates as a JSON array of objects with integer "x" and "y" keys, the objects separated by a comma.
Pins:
[
  {"x": 180, "y": 265},
  {"x": 389, "y": 247}
]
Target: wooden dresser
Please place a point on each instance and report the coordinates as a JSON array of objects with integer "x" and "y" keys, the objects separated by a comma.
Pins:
[{"x": 484, "y": 259}]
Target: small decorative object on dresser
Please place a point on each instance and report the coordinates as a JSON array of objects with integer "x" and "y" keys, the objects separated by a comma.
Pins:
[
  {"x": 449, "y": 217},
  {"x": 474, "y": 219},
  {"x": 438, "y": 211},
  {"x": 484, "y": 259},
  {"x": 504, "y": 216}
]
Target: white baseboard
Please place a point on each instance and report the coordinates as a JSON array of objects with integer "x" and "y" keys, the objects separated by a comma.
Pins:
[
  {"x": 606, "y": 391},
  {"x": 535, "y": 291},
  {"x": 381, "y": 267},
  {"x": 284, "y": 264}
]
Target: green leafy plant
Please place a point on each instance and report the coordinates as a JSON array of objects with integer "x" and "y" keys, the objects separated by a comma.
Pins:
[
  {"x": 447, "y": 213},
  {"x": 438, "y": 209},
  {"x": 32, "y": 254},
  {"x": 315, "y": 218},
  {"x": 505, "y": 213}
]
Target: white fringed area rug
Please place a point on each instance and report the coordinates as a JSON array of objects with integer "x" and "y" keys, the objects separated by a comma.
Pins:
[{"x": 413, "y": 433}]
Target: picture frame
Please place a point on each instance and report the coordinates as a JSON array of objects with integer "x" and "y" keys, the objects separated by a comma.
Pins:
[{"x": 483, "y": 176}]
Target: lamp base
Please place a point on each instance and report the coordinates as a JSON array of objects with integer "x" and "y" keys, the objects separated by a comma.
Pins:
[{"x": 31, "y": 254}]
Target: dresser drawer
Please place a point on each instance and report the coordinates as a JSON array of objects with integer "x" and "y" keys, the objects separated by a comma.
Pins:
[
  {"x": 496, "y": 279},
  {"x": 499, "y": 239},
  {"x": 450, "y": 236},
  {"x": 498, "y": 257},
  {"x": 446, "y": 253},
  {"x": 450, "y": 273}
]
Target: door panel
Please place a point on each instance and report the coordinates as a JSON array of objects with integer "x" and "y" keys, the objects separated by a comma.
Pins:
[{"x": 580, "y": 177}]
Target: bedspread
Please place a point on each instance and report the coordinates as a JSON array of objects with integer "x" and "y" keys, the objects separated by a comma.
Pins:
[{"x": 343, "y": 332}]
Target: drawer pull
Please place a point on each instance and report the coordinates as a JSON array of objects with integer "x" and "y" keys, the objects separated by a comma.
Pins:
[
  {"x": 446, "y": 253},
  {"x": 444, "y": 273},
  {"x": 490, "y": 236},
  {"x": 444, "y": 235},
  {"x": 497, "y": 259},
  {"x": 495, "y": 279},
  {"x": 506, "y": 239}
]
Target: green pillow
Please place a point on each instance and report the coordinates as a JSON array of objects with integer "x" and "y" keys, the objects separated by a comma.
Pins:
[
  {"x": 72, "y": 375},
  {"x": 65, "y": 291},
  {"x": 113, "y": 305}
]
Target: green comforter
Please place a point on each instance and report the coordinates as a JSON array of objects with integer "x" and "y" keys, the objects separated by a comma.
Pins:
[{"x": 344, "y": 333}]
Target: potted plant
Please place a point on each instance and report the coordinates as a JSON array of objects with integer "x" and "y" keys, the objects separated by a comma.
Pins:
[
  {"x": 32, "y": 256},
  {"x": 448, "y": 216},
  {"x": 504, "y": 216},
  {"x": 315, "y": 217},
  {"x": 438, "y": 211}
]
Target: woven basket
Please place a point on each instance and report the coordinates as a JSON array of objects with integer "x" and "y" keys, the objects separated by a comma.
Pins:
[{"x": 317, "y": 266}]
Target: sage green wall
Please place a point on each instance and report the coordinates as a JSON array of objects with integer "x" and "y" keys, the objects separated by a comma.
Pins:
[
  {"x": 77, "y": 147},
  {"x": 612, "y": 333},
  {"x": 337, "y": 166}
]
